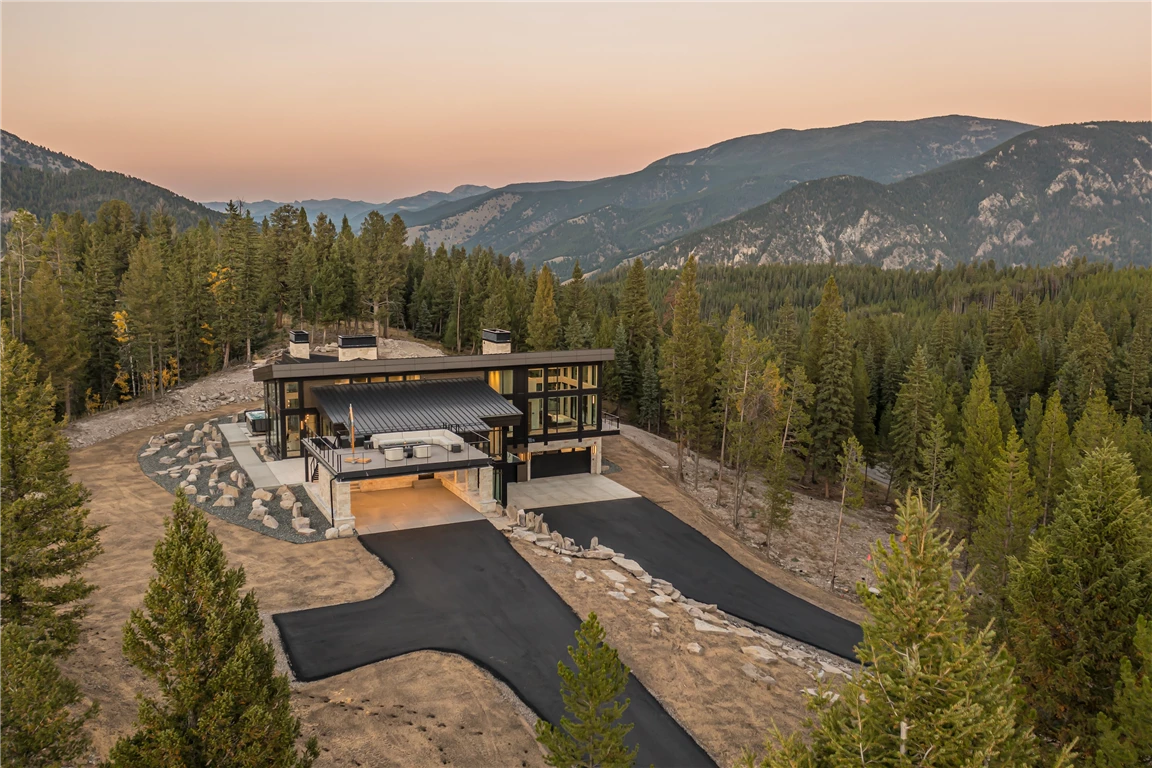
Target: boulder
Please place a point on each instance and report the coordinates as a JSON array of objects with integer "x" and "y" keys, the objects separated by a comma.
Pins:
[
  {"x": 746, "y": 633},
  {"x": 595, "y": 543},
  {"x": 347, "y": 531},
  {"x": 189, "y": 427},
  {"x": 703, "y": 626},
  {"x": 654, "y": 629},
  {"x": 287, "y": 503},
  {"x": 282, "y": 490},
  {"x": 619, "y": 596},
  {"x": 201, "y": 498},
  {"x": 544, "y": 542},
  {"x": 557, "y": 539},
  {"x": 661, "y": 599},
  {"x": 230, "y": 490},
  {"x": 580, "y": 575},
  {"x": 233, "y": 474},
  {"x": 566, "y": 560},
  {"x": 168, "y": 460},
  {"x": 331, "y": 533},
  {"x": 832, "y": 670},
  {"x": 262, "y": 495},
  {"x": 270, "y": 522},
  {"x": 524, "y": 535},
  {"x": 520, "y": 518},
  {"x": 306, "y": 531},
  {"x": 614, "y": 576},
  {"x": 694, "y": 648},
  {"x": 658, "y": 613},
  {"x": 241, "y": 480},
  {"x": 759, "y": 653},
  {"x": 183, "y": 453},
  {"x": 297, "y": 510},
  {"x": 772, "y": 641},
  {"x": 631, "y": 566},
  {"x": 257, "y": 513},
  {"x": 299, "y": 523},
  {"x": 224, "y": 501}
]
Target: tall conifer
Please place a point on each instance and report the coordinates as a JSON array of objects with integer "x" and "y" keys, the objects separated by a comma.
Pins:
[
  {"x": 834, "y": 408},
  {"x": 1077, "y": 594},
  {"x": 916, "y": 405},
  {"x": 684, "y": 365},
  {"x": 220, "y": 700},
  {"x": 1051, "y": 455},
  {"x": 981, "y": 441},
  {"x": 544, "y": 323}
]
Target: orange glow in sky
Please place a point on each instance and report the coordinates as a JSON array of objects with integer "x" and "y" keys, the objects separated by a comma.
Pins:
[{"x": 374, "y": 101}]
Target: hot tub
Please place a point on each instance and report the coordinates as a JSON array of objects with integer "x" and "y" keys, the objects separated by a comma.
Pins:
[{"x": 257, "y": 421}]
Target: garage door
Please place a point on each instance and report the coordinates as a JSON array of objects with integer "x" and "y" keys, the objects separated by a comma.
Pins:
[{"x": 557, "y": 463}]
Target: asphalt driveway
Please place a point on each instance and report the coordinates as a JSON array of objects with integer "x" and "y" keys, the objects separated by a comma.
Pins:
[
  {"x": 668, "y": 548},
  {"x": 463, "y": 589}
]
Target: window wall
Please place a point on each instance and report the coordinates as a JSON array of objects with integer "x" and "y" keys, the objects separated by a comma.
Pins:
[{"x": 563, "y": 401}]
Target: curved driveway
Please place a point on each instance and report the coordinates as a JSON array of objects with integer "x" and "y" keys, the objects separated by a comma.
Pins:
[
  {"x": 463, "y": 589},
  {"x": 670, "y": 549}
]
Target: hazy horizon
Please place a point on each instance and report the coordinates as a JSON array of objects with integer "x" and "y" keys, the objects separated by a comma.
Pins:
[{"x": 374, "y": 102}]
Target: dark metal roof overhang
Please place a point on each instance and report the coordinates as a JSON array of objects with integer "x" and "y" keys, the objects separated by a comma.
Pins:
[
  {"x": 326, "y": 367},
  {"x": 409, "y": 406}
]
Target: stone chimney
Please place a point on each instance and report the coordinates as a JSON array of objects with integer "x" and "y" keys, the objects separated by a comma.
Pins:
[
  {"x": 298, "y": 344},
  {"x": 356, "y": 347},
  {"x": 497, "y": 341}
]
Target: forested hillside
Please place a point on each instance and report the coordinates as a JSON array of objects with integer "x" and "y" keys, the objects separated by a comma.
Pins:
[
  {"x": 1043, "y": 197},
  {"x": 45, "y": 182},
  {"x": 600, "y": 222}
]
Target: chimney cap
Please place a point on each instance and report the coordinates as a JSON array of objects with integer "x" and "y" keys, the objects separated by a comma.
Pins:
[
  {"x": 497, "y": 335},
  {"x": 356, "y": 341},
  {"x": 298, "y": 337}
]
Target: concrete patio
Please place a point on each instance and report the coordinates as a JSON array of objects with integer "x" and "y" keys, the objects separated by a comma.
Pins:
[{"x": 563, "y": 490}]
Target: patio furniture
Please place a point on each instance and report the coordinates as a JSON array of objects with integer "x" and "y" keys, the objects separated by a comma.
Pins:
[
  {"x": 422, "y": 451},
  {"x": 394, "y": 454}
]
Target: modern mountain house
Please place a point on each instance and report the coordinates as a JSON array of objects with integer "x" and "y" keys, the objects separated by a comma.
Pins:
[{"x": 472, "y": 423}]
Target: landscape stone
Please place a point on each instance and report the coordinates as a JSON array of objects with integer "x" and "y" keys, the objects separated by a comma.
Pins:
[
  {"x": 299, "y": 523},
  {"x": 168, "y": 460},
  {"x": 760, "y": 654},
  {"x": 230, "y": 490},
  {"x": 347, "y": 531},
  {"x": 694, "y": 648},
  {"x": 233, "y": 474},
  {"x": 595, "y": 543},
  {"x": 655, "y": 629},
  {"x": 331, "y": 533},
  {"x": 262, "y": 495},
  {"x": 631, "y": 566},
  {"x": 566, "y": 560},
  {"x": 297, "y": 510},
  {"x": 751, "y": 671},
  {"x": 257, "y": 513},
  {"x": 189, "y": 427},
  {"x": 287, "y": 503},
  {"x": 614, "y": 576},
  {"x": 703, "y": 626},
  {"x": 201, "y": 498},
  {"x": 224, "y": 501},
  {"x": 619, "y": 596},
  {"x": 270, "y": 522},
  {"x": 746, "y": 632},
  {"x": 658, "y": 613},
  {"x": 661, "y": 599},
  {"x": 830, "y": 669},
  {"x": 580, "y": 575}
]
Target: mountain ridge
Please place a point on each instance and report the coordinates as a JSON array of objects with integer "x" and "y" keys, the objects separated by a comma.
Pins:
[
  {"x": 1044, "y": 196},
  {"x": 605, "y": 220}
]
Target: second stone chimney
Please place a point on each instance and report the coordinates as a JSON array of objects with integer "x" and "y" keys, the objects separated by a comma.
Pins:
[
  {"x": 298, "y": 345},
  {"x": 496, "y": 341},
  {"x": 356, "y": 347}
]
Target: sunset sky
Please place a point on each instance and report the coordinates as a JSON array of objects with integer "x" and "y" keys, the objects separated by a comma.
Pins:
[{"x": 374, "y": 101}]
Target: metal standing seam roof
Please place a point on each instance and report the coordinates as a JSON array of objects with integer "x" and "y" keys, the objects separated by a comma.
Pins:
[{"x": 408, "y": 406}]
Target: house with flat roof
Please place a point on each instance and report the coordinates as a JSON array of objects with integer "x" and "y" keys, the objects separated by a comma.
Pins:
[{"x": 472, "y": 423}]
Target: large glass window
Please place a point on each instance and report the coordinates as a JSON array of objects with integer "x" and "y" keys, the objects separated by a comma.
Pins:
[
  {"x": 562, "y": 415},
  {"x": 292, "y": 436},
  {"x": 501, "y": 381},
  {"x": 291, "y": 395},
  {"x": 535, "y": 379},
  {"x": 589, "y": 411},
  {"x": 563, "y": 377},
  {"x": 591, "y": 376},
  {"x": 536, "y": 416}
]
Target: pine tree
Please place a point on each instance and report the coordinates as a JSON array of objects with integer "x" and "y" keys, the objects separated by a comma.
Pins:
[
  {"x": 1125, "y": 731},
  {"x": 786, "y": 339},
  {"x": 1033, "y": 418},
  {"x": 1051, "y": 455},
  {"x": 53, "y": 333},
  {"x": 41, "y": 725},
  {"x": 591, "y": 691},
  {"x": 577, "y": 333},
  {"x": 636, "y": 310},
  {"x": 575, "y": 298},
  {"x": 834, "y": 403},
  {"x": 1097, "y": 424},
  {"x": 936, "y": 454},
  {"x": 684, "y": 365},
  {"x": 619, "y": 373},
  {"x": 786, "y": 447},
  {"x": 942, "y": 342},
  {"x": 143, "y": 300},
  {"x": 926, "y": 675},
  {"x": 980, "y": 444},
  {"x": 851, "y": 491},
  {"x": 1085, "y": 362},
  {"x": 1076, "y": 596},
  {"x": 1004, "y": 523},
  {"x": 221, "y": 701},
  {"x": 916, "y": 405},
  {"x": 46, "y": 539},
  {"x": 544, "y": 323},
  {"x": 863, "y": 425},
  {"x": 741, "y": 361},
  {"x": 648, "y": 406},
  {"x": 1134, "y": 372}
]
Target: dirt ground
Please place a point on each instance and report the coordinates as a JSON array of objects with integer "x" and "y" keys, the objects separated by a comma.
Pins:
[
  {"x": 424, "y": 709},
  {"x": 802, "y": 551}
]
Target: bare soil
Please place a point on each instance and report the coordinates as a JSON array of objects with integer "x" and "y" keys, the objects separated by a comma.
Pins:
[
  {"x": 446, "y": 710},
  {"x": 803, "y": 549}
]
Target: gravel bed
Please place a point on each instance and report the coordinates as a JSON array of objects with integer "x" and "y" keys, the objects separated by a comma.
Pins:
[{"x": 237, "y": 515}]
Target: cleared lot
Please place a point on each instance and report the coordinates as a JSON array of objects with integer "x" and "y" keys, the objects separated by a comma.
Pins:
[
  {"x": 461, "y": 588},
  {"x": 669, "y": 548}
]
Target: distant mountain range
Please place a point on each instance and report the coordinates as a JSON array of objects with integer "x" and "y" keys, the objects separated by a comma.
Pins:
[
  {"x": 46, "y": 182},
  {"x": 337, "y": 208},
  {"x": 1042, "y": 197},
  {"x": 604, "y": 221}
]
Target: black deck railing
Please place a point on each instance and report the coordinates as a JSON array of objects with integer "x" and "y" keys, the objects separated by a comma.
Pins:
[
  {"x": 330, "y": 449},
  {"x": 609, "y": 422}
]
